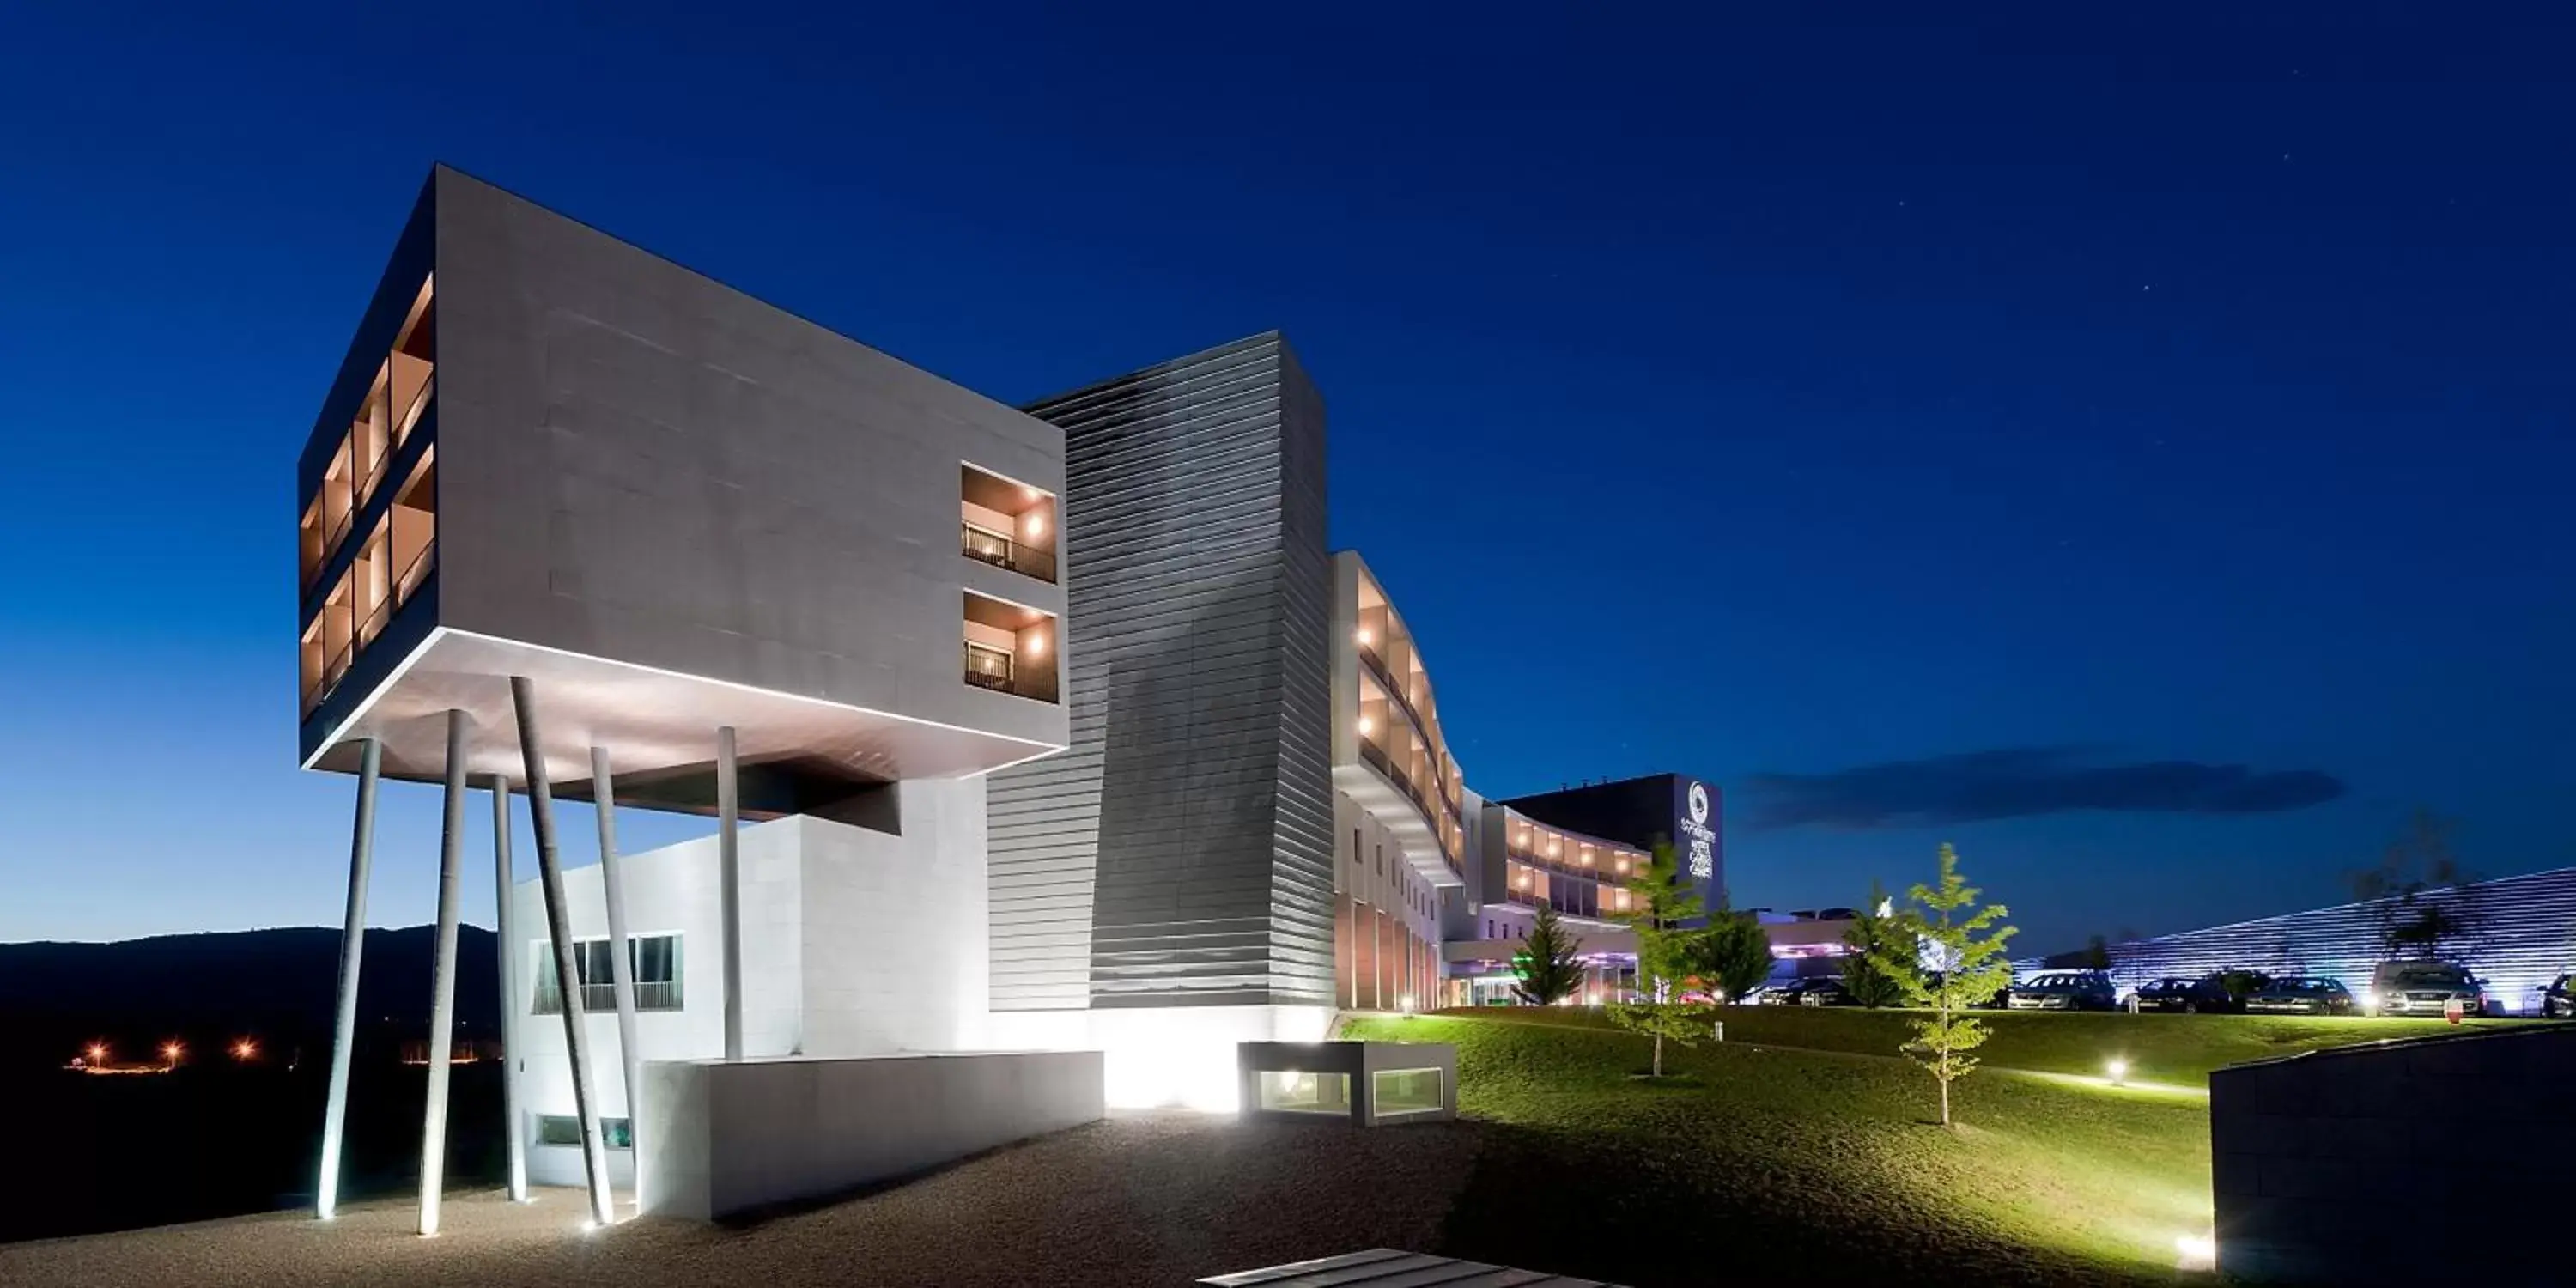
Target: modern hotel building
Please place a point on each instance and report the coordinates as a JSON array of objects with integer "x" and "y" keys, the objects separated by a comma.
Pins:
[
  {"x": 1136, "y": 765},
  {"x": 577, "y": 521}
]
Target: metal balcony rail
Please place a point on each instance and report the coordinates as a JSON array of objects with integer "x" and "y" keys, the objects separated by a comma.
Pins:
[
  {"x": 650, "y": 995},
  {"x": 1002, "y": 552}
]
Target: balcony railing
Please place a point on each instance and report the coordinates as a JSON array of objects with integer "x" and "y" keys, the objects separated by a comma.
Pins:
[
  {"x": 650, "y": 995},
  {"x": 993, "y": 669},
  {"x": 1002, "y": 552}
]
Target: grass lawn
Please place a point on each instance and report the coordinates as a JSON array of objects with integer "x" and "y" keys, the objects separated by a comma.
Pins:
[
  {"x": 2177, "y": 1049},
  {"x": 1802, "y": 1146},
  {"x": 1764, "y": 1161}
]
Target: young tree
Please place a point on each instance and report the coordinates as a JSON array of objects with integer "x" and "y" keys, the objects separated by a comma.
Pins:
[
  {"x": 2096, "y": 954},
  {"x": 1659, "y": 910},
  {"x": 2427, "y": 902},
  {"x": 1967, "y": 952},
  {"x": 1547, "y": 964},
  {"x": 1873, "y": 937},
  {"x": 1733, "y": 955}
]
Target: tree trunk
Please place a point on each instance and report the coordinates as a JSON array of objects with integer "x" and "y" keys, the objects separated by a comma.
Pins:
[
  {"x": 1659, "y": 1055},
  {"x": 1945, "y": 1102}
]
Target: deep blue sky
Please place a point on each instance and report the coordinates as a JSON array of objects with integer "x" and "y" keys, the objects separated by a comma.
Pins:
[{"x": 1765, "y": 401}]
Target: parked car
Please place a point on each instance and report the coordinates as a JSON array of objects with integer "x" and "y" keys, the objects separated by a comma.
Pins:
[
  {"x": 2558, "y": 1001},
  {"x": 2174, "y": 993},
  {"x": 2002, "y": 996},
  {"x": 2423, "y": 988},
  {"x": 2303, "y": 995},
  {"x": 2077, "y": 990},
  {"x": 1823, "y": 990}
]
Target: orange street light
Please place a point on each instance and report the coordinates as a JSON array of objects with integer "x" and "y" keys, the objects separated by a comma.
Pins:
[
  {"x": 170, "y": 1053},
  {"x": 245, "y": 1049},
  {"x": 98, "y": 1053}
]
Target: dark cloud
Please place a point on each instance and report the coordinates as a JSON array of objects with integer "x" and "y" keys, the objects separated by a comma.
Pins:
[{"x": 2022, "y": 781}]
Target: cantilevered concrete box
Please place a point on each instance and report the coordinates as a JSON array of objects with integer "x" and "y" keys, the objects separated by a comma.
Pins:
[
  {"x": 671, "y": 506},
  {"x": 727, "y": 1138},
  {"x": 1368, "y": 1083}
]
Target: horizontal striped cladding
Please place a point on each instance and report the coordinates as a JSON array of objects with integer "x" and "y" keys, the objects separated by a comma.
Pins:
[
  {"x": 1301, "y": 901},
  {"x": 2521, "y": 935},
  {"x": 1193, "y": 509}
]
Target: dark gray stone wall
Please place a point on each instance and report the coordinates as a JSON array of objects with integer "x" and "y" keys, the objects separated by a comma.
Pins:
[
  {"x": 2434, "y": 1161},
  {"x": 1180, "y": 852}
]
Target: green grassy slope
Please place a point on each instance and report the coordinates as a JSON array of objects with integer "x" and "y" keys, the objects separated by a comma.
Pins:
[
  {"x": 2159, "y": 1048},
  {"x": 1810, "y": 1164}
]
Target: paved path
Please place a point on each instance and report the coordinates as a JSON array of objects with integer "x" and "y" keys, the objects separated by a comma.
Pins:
[{"x": 1139, "y": 1200}]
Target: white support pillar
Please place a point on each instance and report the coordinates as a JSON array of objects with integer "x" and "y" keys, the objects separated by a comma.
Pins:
[
  {"x": 541, "y": 811},
  {"x": 514, "y": 1126},
  {"x": 442, "y": 975},
  {"x": 353, "y": 938},
  {"x": 729, "y": 885},
  {"x": 621, "y": 965}
]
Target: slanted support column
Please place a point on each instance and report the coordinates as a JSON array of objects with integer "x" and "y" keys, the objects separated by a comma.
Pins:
[
  {"x": 729, "y": 884},
  {"x": 353, "y": 938},
  {"x": 442, "y": 985},
  {"x": 541, "y": 812},
  {"x": 621, "y": 963},
  {"x": 514, "y": 1126}
]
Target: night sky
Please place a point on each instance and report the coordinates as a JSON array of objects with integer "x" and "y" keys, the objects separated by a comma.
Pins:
[{"x": 2138, "y": 452}]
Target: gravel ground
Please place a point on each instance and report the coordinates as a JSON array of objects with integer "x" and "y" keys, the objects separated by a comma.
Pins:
[{"x": 1141, "y": 1199}]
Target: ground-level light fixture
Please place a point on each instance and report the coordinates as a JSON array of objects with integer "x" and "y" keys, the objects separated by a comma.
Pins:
[
  {"x": 245, "y": 1049},
  {"x": 2119, "y": 1071},
  {"x": 2195, "y": 1252}
]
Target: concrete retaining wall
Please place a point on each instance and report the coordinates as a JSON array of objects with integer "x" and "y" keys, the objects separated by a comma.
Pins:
[
  {"x": 721, "y": 1139},
  {"x": 2436, "y": 1160}
]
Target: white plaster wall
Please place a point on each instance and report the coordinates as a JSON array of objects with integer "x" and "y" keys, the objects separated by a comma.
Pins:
[
  {"x": 673, "y": 889},
  {"x": 894, "y": 931},
  {"x": 855, "y": 942},
  {"x": 1164, "y": 1056}
]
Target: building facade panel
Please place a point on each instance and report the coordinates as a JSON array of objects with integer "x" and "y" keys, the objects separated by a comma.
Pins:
[
  {"x": 2516, "y": 933},
  {"x": 642, "y": 464},
  {"x": 1193, "y": 514}
]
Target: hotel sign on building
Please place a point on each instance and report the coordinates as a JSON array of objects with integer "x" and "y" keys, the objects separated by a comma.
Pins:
[
  {"x": 1693, "y": 834},
  {"x": 1674, "y": 808}
]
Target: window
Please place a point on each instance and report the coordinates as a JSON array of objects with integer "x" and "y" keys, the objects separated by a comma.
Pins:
[
  {"x": 564, "y": 1129},
  {"x": 1288, "y": 1091},
  {"x": 1405, "y": 1091},
  {"x": 1355, "y": 847},
  {"x": 1005, "y": 523},
  {"x": 987, "y": 666},
  {"x": 1010, "y": 648},
  {"x": 1381, "y": 860},
  {"x": 654, "y": 959}
]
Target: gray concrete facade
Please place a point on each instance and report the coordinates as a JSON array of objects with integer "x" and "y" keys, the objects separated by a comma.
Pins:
[
  {"x": 638, "y": 464},
  {"x": 1180, "y": 852},
  {"x": 2435, "y": 1160},
  {"x": 726, "y": 1138}
]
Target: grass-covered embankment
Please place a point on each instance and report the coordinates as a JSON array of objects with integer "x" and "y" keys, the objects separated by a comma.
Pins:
[
  {"x": 2176, "y": 1049},
  {"x": 1761, "y": 1161}
]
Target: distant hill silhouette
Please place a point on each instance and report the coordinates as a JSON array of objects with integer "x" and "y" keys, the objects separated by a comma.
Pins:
[
  {"x": 276, "y": 985},
  {"x": 224, "y": 1135}
]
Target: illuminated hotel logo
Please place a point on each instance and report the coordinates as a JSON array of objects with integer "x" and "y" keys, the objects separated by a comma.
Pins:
[{"x": 1701, "y": 837}]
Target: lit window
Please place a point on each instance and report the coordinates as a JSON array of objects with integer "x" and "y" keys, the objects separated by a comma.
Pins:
[
  {"x": 564, "y": 1129},
  {"x": 653, "y": 959}
]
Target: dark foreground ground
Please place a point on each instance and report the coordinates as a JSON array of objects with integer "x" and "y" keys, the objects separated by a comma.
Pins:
[{"x": 1144, "y": 1199}]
